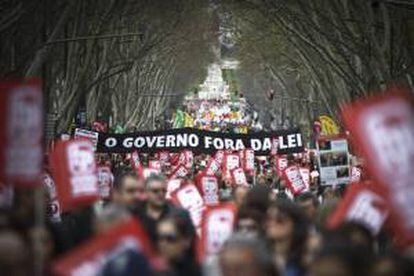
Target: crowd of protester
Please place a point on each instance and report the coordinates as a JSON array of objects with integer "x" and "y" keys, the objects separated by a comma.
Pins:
[
  {"x": 274, "y": 234},
  {"x": 217, "y": 115}
]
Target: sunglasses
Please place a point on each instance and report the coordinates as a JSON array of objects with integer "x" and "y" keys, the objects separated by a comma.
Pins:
[
  {"x": 159, "y": 191},
  {"x": 170, "y": 238}
]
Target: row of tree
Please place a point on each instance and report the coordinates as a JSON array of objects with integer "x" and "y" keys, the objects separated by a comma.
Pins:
[
  {"x": 130, "y": 60},
  {"x": 316, "y": 55}
]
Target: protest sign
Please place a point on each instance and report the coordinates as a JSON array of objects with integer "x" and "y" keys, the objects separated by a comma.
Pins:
[
  {"x": 154, "y": 164},
  {"x": 239, "y": 177},
  {"x": 364, "y": 204},
  {"x": 248, "y": 161},
  {"x": 305, "y": 173},
  {"x": 188, "y": 197},
  {"x": 105, "y": 181},
  {"x": 21, "y": 131},
  {"x": 383, "y": 129},
  {"x": 125, "y": 249},
  {"x": 294, "y": 180},
  {"x": 333, "y": 160},
  {"x": 217, "y": 226},
  {"x": 173, "y": 185},
  {"x": 74, "y": 171},
  {"x": 88, "y": 135},
  {"x": 179, "y": 171},
  {"x": 208, "y": 188},
  {"x": 281, "y": 163},
  {"x": 200, "y": 141},
  {"x": 147, "y": 172}
]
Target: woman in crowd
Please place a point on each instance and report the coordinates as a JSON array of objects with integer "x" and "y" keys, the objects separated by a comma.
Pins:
[
  {"x": 176, "y": 245},
  {"x": 287, "y": 231}
]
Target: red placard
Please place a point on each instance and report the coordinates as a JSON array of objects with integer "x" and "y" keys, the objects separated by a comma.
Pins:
[
  {"x": 189, "y": 158},
  {"x": 217, "y": 226},
  {"x": 188, "y": 197},
  {"x": 179, "y": 172},
  {"x": 383, "y": 131},
  {"x": 163, "y": 156},
  {"x": 305, "y": 173},
  {"x": 74, "y": 171},
  {"x": 362, "y": 203},
  {"x": 91, "y": 257},
  {"x": 294, "y": 180},
  {"x": 154, "y": 164},
  {"x": 105, "y": 181},
  {"x": 231, "y": 162},
  {"x": 212, "y": 167},
  {"x": 136, "y": 163},
  {"x": 209, "y": 189},
  {"x": 147, "y": 172},
  {"x": 21, "y": 130},
  {"x": 281, "y": 164},
  {"x": 172, "y": 186},
  {"x": 248, "y": 161},
  {"x": 238, "y": 177}
]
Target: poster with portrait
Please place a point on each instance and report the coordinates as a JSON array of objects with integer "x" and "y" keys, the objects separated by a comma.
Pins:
[{"x": 333, "y": 161}]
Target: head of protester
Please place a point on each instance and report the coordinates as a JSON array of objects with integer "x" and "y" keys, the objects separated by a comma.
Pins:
[
  {"x": 287, "y": 231},
  {"x": 245, "y": 255},
  {"x": 175, "y": 242},
  {"x": 128, "y": 187},
  {"x": 309, "y": 203},
  {"x": 156, "y": 190}
]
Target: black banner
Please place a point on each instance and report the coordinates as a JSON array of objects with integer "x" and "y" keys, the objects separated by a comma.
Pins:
[{"x": 199, "y": 141}]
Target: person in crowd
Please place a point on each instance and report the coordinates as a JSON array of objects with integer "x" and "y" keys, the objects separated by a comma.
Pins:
[
  {"x": 341, "y": 259},
  {"x": 250, "y": 221},
  {"x": 245, "y": 255},
  {"x": 258, "y": 197},
  {"x": 354, "y": 233},
  {"x": 309, "y": 203},
  {"x": 128, "y": 188},
  {"x": 110, "y": 216},
  {"x": 239, "y": 195},
  {"x": 14, "y": 259},
  {"x": 156, "y": 206},
  {"x": 175, "y": 241},
  {"x": 287, "y": 230}
]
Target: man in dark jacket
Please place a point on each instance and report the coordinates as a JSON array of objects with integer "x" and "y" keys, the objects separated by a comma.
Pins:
[{"x": 156, "y": 206}]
